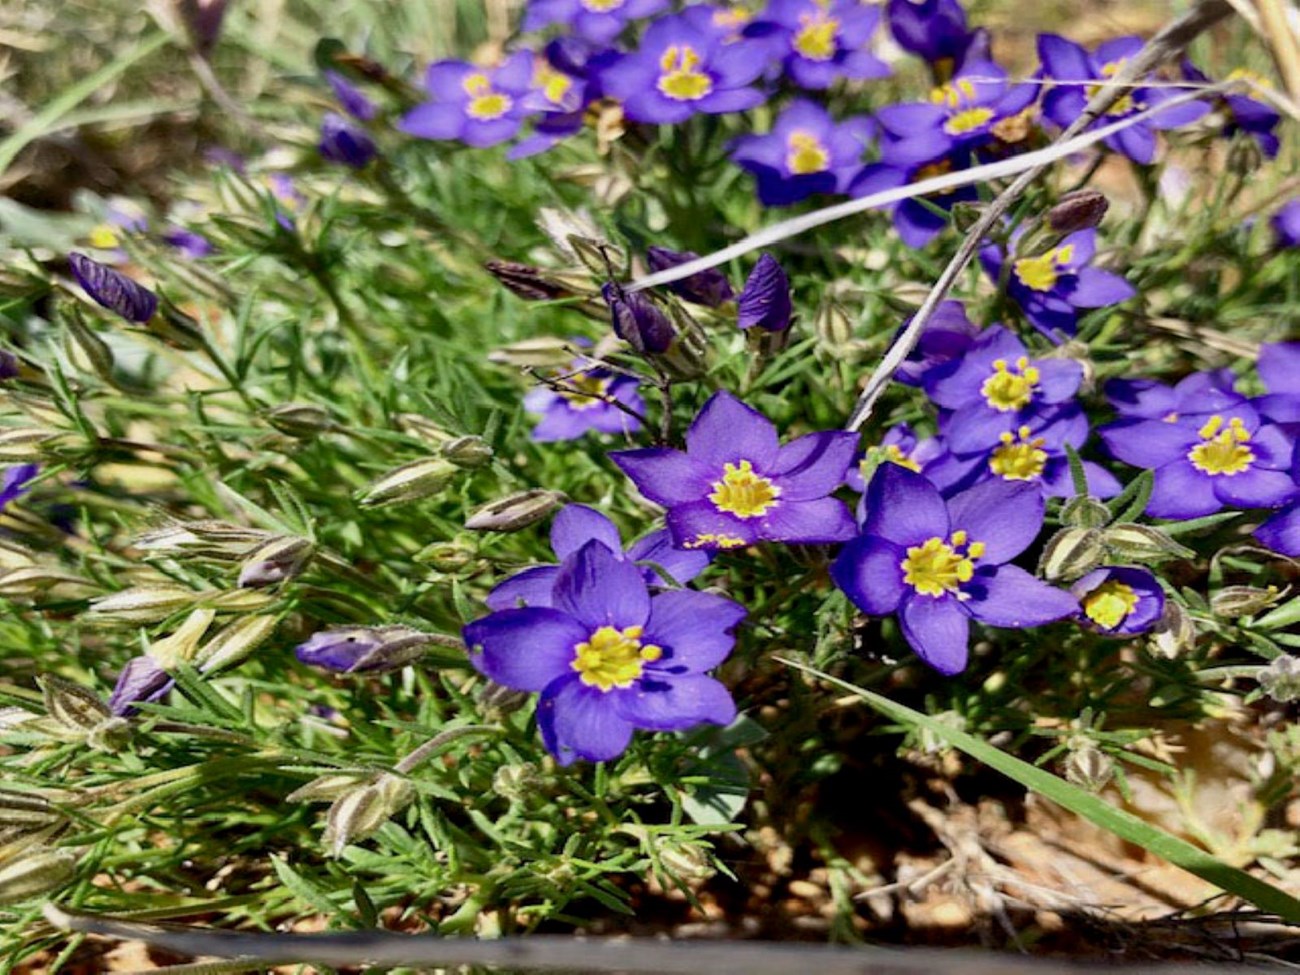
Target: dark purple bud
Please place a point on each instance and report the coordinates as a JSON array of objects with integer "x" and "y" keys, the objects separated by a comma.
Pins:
[
  {"x": 528, "y": 282},
  {"x": 1080, "y": 210},
  {"x": 363, "y": 649},
  {"x": 350, "y": 97},
  {"x": 189, "y": 243},
  {"x": 13, "y": 484},
  {"x": 343, "y": 142},
  {"x": 637, "y": 320},
  {"x": 765, "y": 299},
  {"x": 8, "y": 365},
  {"x": 931, "y": 29},
  {"x": 113, "y": 289},
  {"x": 710, "y": 288},
  {"x": 203, "y": 20},
  {"x": 141, "y": 680}
]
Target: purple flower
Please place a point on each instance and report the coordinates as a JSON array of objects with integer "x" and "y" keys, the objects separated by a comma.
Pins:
[
  {"x": 995, "y": 388},
  {"x": 1116, "y": 600},
  {"x": 680, "y": 71},
  {"x": 594, "y": 20},
  {"x": 946, "y": 336},
  {"x": 1051, "y": 287},
  {"x": 936, "y": 31},
  {"x": 191, "y": 244},
  {"x": 363, "y": 649},
  {"x": 584, "y": 404},
  {"x": 805, "y": 153},
  {"x": 1064, "y": 102},
  {"x": 1279, "y": 368},
  {"x": 15, "y": 482},
  {"x": 734, "y": 485},
  {"x": 827, "y": 39},
  {"x": 957, "y": 118},
  {"x": 1246, "y": 113},
  {"x": 345, "y": 142},
  {"x": 1199, "y": 394},
  {"x": 113, "y": 290},
  {"x": 350, "y": 97},
  {"x": 1201, "y": 465},
  {"x": 637, "y": 320},
  {"x": 938, "y": 564},
  {"x": 709, "y": 288},
  {"x": 564, "y": 83},
  {"x": 1286, "y": 224},
  {"x": 142, "y": 680},
  {"x": 608, "y": 657},
  {"x": 574, "y": 527},
  {"x": 765, "y": 300},
  {"x": 477, "y": 106},
  {"x": 901, "y": 446}
]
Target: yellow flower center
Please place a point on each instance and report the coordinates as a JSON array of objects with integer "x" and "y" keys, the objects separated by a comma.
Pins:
[
  {"x": 103, "y": 236},
  {"x": 554, "y": 85},
  {"x": 1222, "y": 450},
  {"x": 816, "y": 39},
  {"x": 484, "y": 103},
  {"x": 1125, "y": 104},
  {"x": 1040, "y": 273},
  {"x": 1010, "y": 388},
  {"x": 1254, "y": 77},
  {"x": 732, "y": 19},
  {"x": 601, "y": 6},
  {"x": 967, "y": 120},
  {"x": 805, "y": 154},
  {"x": 717, "y": 541},
  {"x": 587, "y": 391},
  {"x": 1020, "y": 458},
  {"x": 743, "y": 493},
  {"x": 937, "y": 567},
  {"x": 1110, "y": 603},
  {"x": 680, "y": 78},
  {"x": 954, "y": 94},
  {"x": 613, "y": 658}
]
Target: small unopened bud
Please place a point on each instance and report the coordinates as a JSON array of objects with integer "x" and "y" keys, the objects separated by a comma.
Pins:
[
  {"x": 1175, "y": 634},
  {"x": 359, "y": 813},
  {"x": 687, "y": 861},
  {"x": 1280, "y": 680},
  {"x": 142, "y": 604},
  {"x": 113, "y": 290},
  {"x": 1244, "y": 157},
  {"x": 765, "y": 300},
  {"x": 35, "y": 874},
  {"x": 111, "y": 735},
  {"x": 303, "y": 421},
  {"x": 215, "y": 540},
  {"x": 27, "y": 812},
  {"x": 142, "y": 680},
  {"x": 1080, "y": 210},
  {"x": 709, "y": 288},
  {"x": 516, "y": 782},
  {"x": 469, "y": 452},
  {"x": 1143, "y": 543},
  {"x": 1071, "y": 553},
  {"x": 278, "y": 560},
  {"x": 179, "y": 647},
  {"x": 833, "y": 326},
  {"x": 364, "y": 649},
  {"x": 235, "y": 642},
  {"x": 446, "y": 556},
  {"x": 411, "y": 482},
  {"x": 76, "y": 709},
  {"x": 637, "y": 320},
  {"x": 422, "y": 428},
  {"x": 1084, "y": 512},
  {"x": 516, "y": 512},
  {"x": 1087, "y": 765},
  {"x": 560, "y": 225},
  {"x": 22, "y": 445},
  {"x": 37, "y": 580},
  {"x": 1233, "y": 601},
  {"x": 528, "y": 282},
  {"x": 547, "y": 352},
  {"x": 599, "y": 257},
  {"x": 326, "y": 788},
  {"x": 203, "y": 20},
  {"x": 495, "y": 701},
  {"x": 237, "y": 600}
]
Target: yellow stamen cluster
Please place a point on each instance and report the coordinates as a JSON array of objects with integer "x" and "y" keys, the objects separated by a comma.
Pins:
[
  {"x": 103, "y": 236},
  {"x": 711, "y": 540},
  {"x": 968, "y": 120},
  {"x": 1125, "y": 104},
  {"x": 1223, "y": 449},
  {"x": 485, "y": 103},
  {"x": 554, "y": 85},
  {"x": 1041, "y": 273},
  {"x": 817, "y": 37},
  {"x": 937, "y": 567},
  {"x": 585, "y": 391},
  {"x": 601, "y": 6},
  {"x": 613, "y": 658},
  {"x": 1110, "y": 604},
  {"x": 680, "y": 78},
  {"x": 805, "y": 153},
  {"x": 1010, "y": 388},
  {"x": 1020, "y": 458},
  {"x": 743, "y": 493}
]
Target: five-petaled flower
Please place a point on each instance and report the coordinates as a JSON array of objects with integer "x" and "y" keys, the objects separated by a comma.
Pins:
[
  {"x": 734, "y": 485},
  {"x": 938, "y": 564},
  {"x": 476, "y": 105},
  {"x": 805, "y": 153},
  {"x": 608, "y": 657},
  {"x": 594, "y": 20},
  {"x": 582, "y": 401},
  {"x": 1118, "y": 600},
  {"x": 827, "y": 39}
]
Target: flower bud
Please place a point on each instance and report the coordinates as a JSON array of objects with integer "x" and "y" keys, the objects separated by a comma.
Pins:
[
  {"x": 561, "y": 224},
  {"x": 142, "y": 604},
  {"x": 1143, "y": 543},
  {"x": 111, "y": 735},
  {"x": 1080, "y": 210},
  {"x": 1175, "y": 634},
  {"x": 598, "y": 256},
  {"x": 833, "y": 327},
  {"x": 237, "y": 600},
  {"x": 27, "y": 812},
  {"x": 343, "y": 141},
  {"x": 1233, "y": 601},
  {"x": 446, "y": 556},
  {"x": 1280, "y": 680},
  {"x": 113, "y": 290},
  {"x": 469, "y": 452},
  {"x": 28, "y": 581},
  {"x": 686, "y": 860},
  {"x": 517, "y": 782},
  {"x": 1244, "y": 157},
  {"x": 637, "y": 320},
  {"x": 141, "y": 680},
  {"x": 966, "y": 214},
  {"x": 1087, "y": 765},
  {"x": 546, "y": 352},
  {"x": 179, "y": 646},
  {"x": 277, "y": 560},
  {"x": 235, "y": 642},
  {"x": 765, "y": 300},
  {"x": 303, "y": 421},
  {"x": 35, "y": 874},
  {"x": 709, "y": 288},
  {"x": 23, "y": 445},
  {"x": 74, "y": 708},
  {"x": 359, "y": 813},
  {"x": 364, "y": 649},
  {"x": 495, "y": 701},
  {"x": 411, "y": 482},
  {"x": 326, "y": 788},
  {"x": 515, "y": 512},
  {"x": 203, "y": 20},
  {"x": 1084, "y": 512},
  {"x": 216, "y": 540},
  {"x": 1071, "y": 553},
  {"x": 422, "y": 428},
  {"x": 528, "y": 282}
]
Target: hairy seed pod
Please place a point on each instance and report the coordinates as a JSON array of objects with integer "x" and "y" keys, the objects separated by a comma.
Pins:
[
  {"x": 411, "y": 482},
  {"x": 516, "y": 512}
]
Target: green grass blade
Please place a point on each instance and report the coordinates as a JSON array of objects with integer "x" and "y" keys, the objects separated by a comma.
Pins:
[
  {"x": 1092, "y": 808},
  {"x": 46, "y": 120}
]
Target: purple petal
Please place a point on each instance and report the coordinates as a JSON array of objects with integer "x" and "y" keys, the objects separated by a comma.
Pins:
[
  {"x": 524, "y": 649},
  {"x": 1096, "y": 288},
  {"x": 700, "y": 525},
  {"x": 1148, "y": 443},
  {"x": 728, "y": 431},
  {"x": 1008, "y": 596},
  {"x": 658, "y": 549},
  {"x": 602, "y": 589},
  {"x": 577, "y": 721},
  {"x": 434, "y": 120},
  {"x": 819, "y": 522},
  {"x": 694, "y": 628},
  {"x": 667, "y": 477},
  {"x": 675, "y": 703},
  {"x": 1279, "y": 366},
  {"x": 1256, "y": 488},
  {"x": 576, "y": 525},
  {"x": 532, "y": 587},
  {"x": 1137, "y": 142},
  {"x": 1281, "y": 533},
  {"x": 1181, "y": 491},
  {"x": 903, "y": 507},
  {"x": 1006, "y": 516},
  {"x": 869, "y": 571},
  {"x": 142, "y": 679},
  {"x": 812, "y": 466},
  {"x": 938, "y": 629},
  {"x": 765, "y": 299}
]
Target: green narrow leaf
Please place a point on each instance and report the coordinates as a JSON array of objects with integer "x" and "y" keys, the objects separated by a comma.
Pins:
[
  {"x": 302, "y": 888},
  {"x": 1092, "y": 808},
  {"x": 1078, "y": 477},
  {"x": 1138, "y": 492}
]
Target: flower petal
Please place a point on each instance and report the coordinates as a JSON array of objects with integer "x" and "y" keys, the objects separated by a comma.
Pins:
[
  {"x": 532, "y": 587},
  {"x": 1281, "y": 533},
  {"x": 700, "y": 525},
  {"x": 675, "y": 703},
  {"x": 576, "y": 524},
  {"x": 524, "y": 649},
  {"x": 938, "y": 630},
  {"x": 819, "y": 522},
  {"x": 658, "y": 549},
  {"x": 869, "y": 571},
  {"x": 812, "y": 466},
  {"x": 903, "y": 507},
  {"x": 602, "y": 589},
  {"x": 667, "y": 477},
  {"x": 1256, "y": 488},
  {"x": 577, "y": 721},
  {"x": 1095, "y": 288},
  {"x": 1006, "y": 516},
  {"x": 1181, "y": 491},
  {"x": 693, "y": 628},
  {"x": 1008, "y": 596},
  {"x": 728, "y": 431}
]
